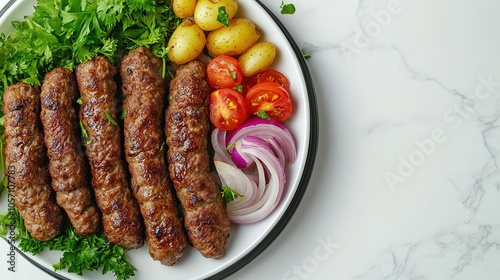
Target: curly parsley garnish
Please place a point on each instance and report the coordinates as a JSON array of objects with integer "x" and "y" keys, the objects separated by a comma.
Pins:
[
  {"x": 229, "y": 194},
  {"x": 287, "y": 8},
  {"x": 222, "y": 16},
  {"x": 263, "y": 115},
  {"x": 80, "y": 253}
]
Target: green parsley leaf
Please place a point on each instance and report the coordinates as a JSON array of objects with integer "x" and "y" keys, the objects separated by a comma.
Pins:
[
  {"x": 110, "y": 118},
  {"x": 229, "y": 194},
  {"x": 124, "y": 114},
  {"x": 84, "y": 131},
  {"x": 222, "y": 16},
  {"x": 238, "y": 88},
  {"x": 79, "y": 101},
  {"x": 232, "y": 74},
  {"x": 306, "y": 54},
  {"x": 84, "y": 134},
  {"x": 263, "y": 115},
  {"x": 287, "y": 8},
  {"x": 12, "y": 220}
]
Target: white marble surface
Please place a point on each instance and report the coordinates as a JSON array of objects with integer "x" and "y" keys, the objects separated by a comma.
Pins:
[{"x": 406, "y": 183}]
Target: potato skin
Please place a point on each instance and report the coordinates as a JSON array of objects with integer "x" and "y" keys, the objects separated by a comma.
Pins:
[
  {"x": 234, "y": 40},
  {"x": 258, "y": 58},
  {"x": 183, "y": 8},
  {"x": 206, "y": 11},
  {"x": 186, "y": 43}
]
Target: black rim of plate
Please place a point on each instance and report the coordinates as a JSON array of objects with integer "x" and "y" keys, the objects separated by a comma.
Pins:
[
  {"x": 6, "y": 7},
  {"x": 304, "y": 180}
]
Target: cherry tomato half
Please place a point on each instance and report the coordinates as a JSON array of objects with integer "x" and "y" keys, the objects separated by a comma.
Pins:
[
  {"x": 224, "y": 71},
  {"x": 271, "y": 98},
  {"x": 274, "y": 76},
  {"x": 227, "y": 109}
]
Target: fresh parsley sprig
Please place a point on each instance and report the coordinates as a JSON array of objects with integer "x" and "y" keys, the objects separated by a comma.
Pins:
[
  {"x": 12, "y": 220},
  {"x": 222, "y": 16},
  {"x": 263, "y": 115},
  {"x": 228, "y": 194},
  {"x": 287, "y": 9},
  {"x": 80, "y": 254}
]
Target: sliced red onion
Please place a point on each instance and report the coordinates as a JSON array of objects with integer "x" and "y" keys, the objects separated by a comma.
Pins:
[
  {"x": 218, "y": 139},
  {"x": 273, "y": 188},
  {"x": 240, "y": 160},
  {"x": 278, "y": 151},
  {"x": 236, "y": 179},
  {"x": 266, "y": 129},
  {"x": 252, "y": 162}
]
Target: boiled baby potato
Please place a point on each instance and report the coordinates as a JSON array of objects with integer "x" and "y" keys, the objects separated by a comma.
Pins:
[
  {"x": 206, "y": 11},
  {"x": 186, "y": 43},
  {"x": 241, "y": 34},
  {"x": 184, "y": 8},
  {"x": 258, "y": 58}
]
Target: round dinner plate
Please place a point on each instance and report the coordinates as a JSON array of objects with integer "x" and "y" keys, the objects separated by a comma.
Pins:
[{"x": 246, "y": 241}]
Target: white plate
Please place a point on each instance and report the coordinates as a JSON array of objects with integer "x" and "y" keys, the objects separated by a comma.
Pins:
[{"x": 246, "y": 241}]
